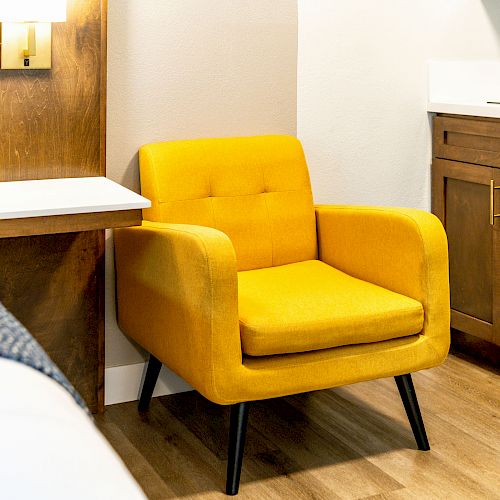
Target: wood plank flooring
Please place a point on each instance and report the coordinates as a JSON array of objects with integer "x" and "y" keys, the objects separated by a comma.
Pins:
[{"x": 348, "y": 443}]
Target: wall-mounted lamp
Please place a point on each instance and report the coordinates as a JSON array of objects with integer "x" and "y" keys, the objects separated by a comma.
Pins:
[{"x": 27, "y": 32}]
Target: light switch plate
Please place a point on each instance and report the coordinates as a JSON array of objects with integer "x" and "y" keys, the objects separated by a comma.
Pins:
[{"x": 15, "y": 41}]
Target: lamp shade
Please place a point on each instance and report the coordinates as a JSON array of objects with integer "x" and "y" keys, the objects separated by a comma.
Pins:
[{"x": 32, "y": 11}]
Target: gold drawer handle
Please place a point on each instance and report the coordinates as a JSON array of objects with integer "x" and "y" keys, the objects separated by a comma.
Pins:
[{"x": 492, "y": 202}]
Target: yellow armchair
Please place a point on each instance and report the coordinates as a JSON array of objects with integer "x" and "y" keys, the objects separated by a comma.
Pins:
[{"x": 242, "y": 287}]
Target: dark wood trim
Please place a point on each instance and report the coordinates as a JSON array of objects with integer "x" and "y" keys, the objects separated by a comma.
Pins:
[
  {"x": 57, "y": 224},
  {"x": 101, "y": 323},
  {"x": 470, "y": 324},
  {"x": 470, "y": 117},
  {"x": 120, "y": 219},
  {"x": 103, "y": 86},
  {"x": 123, "y": 217},
  {"x": 473, "y": 348},
  {"x": 479, "y": 174},
  {"x": 438, "y": 191}
]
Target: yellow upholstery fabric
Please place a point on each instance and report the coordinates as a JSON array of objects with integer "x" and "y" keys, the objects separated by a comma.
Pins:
[
  {"x": 404, "y": 250},
  {"x": 177, "y": 291},
  {"x": 242, "y": 186},
  {"x": 310, "y": 305}
]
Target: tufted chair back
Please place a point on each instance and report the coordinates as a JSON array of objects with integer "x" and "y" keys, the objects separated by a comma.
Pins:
[{"x": 254, "y": 189}]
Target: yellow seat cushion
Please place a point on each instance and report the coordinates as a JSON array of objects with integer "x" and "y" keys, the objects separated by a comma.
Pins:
[{"x": 310, "y": 305}]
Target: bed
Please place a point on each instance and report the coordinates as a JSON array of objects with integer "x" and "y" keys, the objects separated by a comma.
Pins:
[{"x": 50, "y": 446}]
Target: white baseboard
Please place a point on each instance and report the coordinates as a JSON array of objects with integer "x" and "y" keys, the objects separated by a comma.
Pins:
[{"x": 123, "y": 383}]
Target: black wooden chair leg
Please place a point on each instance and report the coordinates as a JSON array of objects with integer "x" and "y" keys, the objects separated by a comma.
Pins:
[
  {"x": 237, "y": 434},
  {"x": 410, "y": 402},
  {"x": 152, "y": 373}
]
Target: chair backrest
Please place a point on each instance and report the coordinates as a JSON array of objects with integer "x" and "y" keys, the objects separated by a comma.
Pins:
[{"x": 254, "y": 189}]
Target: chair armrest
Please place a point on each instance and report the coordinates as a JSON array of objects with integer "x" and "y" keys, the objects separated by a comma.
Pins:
[
  {"x": 401, "y": 249},
  {"x": 177, "y": 296}
]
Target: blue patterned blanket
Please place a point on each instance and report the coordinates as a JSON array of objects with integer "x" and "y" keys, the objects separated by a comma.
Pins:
[{"x": 17, "y": 344}]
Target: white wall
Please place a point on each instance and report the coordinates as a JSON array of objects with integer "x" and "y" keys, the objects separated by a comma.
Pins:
[
  {"x": 193, "y": 68},
  {"x": 181, "y": 69},
  {"x": 362, "y": 90}
]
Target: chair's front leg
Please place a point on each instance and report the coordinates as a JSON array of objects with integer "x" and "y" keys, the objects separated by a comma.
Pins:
[
  {"x": 237, "y": 434},
  {"x": 152, "y": 373},
  {"x": 410, "y": 402}
]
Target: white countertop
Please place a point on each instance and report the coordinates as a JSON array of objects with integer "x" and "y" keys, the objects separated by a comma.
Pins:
[
  {"x": 464, "y": 88},
  {"x": 22, "y": 199},
  {"x": 465, "y": 108}
]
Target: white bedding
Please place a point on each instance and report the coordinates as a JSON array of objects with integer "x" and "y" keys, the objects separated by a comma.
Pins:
[{"x": 49, "y": 448}]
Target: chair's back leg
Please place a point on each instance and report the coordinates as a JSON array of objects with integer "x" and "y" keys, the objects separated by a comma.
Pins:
[
  {"x": 237, "y": 433},
  {"x": 410, "y": 402},
  {"x": 152, "y": 373}
]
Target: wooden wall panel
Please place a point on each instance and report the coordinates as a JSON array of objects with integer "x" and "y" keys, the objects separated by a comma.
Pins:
[
  {"x": 50, "y": 119},
  {"x": 52, "y": 124}
]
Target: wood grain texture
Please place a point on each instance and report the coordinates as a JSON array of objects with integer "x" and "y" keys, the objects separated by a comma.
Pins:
[
  {"x": 466, "y": 157},
  {"x": 352, "y": 442},
  {"x": 103, "y": 86},
  {"x": 51, "y": 119},
  {"x": 470, "y": 239},
  {"x": 475, "y": 326},
  {"x": 461, "y": 201},
  {"x": 471, "y": 141},
  {"x": 53, "y": 125},
  {"x": 52, "y": 285},
  {"x": 56, "y": 224}
]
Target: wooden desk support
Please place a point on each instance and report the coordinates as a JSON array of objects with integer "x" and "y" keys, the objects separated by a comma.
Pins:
[{"x": 53, "y": 281}]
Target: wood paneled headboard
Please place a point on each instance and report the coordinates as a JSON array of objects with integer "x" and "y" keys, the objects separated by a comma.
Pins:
[{"x": 52, "y": 125}]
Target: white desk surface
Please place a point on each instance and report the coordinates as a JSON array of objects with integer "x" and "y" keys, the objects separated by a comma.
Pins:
[{"x": 22, "y": 199}]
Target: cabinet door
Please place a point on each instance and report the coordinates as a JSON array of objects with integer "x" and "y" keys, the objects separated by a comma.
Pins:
[{"x": 461, "y": 198}]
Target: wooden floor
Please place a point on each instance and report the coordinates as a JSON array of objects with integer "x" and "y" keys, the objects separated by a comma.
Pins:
[{"x": 351, "y": 442}]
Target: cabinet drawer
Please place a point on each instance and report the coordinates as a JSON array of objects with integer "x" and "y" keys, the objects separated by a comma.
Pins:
[{"x": 467, "y": 140}]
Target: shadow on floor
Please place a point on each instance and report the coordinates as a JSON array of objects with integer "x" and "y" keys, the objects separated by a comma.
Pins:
[{"x": 182, "y": 440}]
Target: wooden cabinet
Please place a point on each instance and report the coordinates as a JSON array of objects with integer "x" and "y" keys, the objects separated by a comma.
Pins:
[{"x": 465, "y": 172}]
